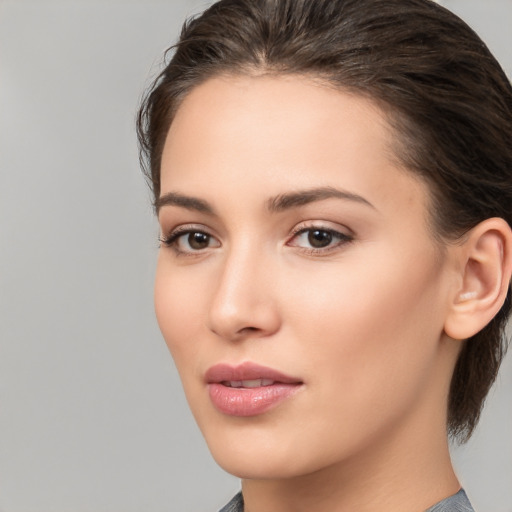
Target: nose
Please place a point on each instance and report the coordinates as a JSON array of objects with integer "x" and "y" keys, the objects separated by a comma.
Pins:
[{"x": 244, "y": 303}]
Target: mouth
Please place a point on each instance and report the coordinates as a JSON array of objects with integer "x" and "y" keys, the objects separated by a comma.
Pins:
[
  {"x": 248, "y": 389},
  {"x": 254, "y": 383}
]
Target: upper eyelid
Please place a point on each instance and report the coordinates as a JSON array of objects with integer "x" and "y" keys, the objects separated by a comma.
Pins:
[
  {"x": 322, "y": 225},
  {"x": 301, "y": 226},
  {"x": 185, "y": 228}
]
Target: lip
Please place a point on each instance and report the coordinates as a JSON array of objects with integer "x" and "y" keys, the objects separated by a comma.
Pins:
[
  {"x": 248, "y": 401},
  {"x": 246, "y": 371}
]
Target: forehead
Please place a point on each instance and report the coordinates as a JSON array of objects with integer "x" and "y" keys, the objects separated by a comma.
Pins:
[
  {"x": 277, "y": 109},
  {"x": 236, "y": 133}
]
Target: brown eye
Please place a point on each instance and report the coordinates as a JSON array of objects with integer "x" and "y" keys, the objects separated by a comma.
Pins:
[
  {"x": 319, "y": 238},
  {"x": 319, "y": 241},
  {"x": 189, "y": 241},
  {"x": 197, "y": 240}
]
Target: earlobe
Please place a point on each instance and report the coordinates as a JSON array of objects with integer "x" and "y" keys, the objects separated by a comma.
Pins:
[{"x": 486, "y": 267}]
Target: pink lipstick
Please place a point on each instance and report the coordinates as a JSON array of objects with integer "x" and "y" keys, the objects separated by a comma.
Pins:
[{"x": 248, "y": 389}]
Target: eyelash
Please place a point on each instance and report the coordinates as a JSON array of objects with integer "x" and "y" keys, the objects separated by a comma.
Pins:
[
  {"x": 172, "y": 240},
  {"x": 342, "y": 239}
]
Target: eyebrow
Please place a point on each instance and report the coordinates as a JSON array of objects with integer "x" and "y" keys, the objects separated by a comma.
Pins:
[
  {"x": 279, "y": 203},
  {"x": 188, "y": 202},
  {"x": 304, "y": 197}
]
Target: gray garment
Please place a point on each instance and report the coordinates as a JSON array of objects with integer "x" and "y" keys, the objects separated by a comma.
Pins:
[
  {"x": 235, "y": 505},
  {"x": 457, "y": 503}
]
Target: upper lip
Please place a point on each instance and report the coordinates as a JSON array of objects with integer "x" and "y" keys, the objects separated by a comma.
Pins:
[{"x": 246, "y": 371}]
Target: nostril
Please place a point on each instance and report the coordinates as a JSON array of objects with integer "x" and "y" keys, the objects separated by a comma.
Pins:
[
  {"x": 249, "y": 329},
  {"x": 247, "y": 332}
]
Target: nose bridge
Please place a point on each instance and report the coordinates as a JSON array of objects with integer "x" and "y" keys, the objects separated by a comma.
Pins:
[{"x": 243, "y": 301}]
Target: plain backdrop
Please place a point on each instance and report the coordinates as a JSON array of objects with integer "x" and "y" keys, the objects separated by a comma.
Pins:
[{"x": 92, "y": 416}]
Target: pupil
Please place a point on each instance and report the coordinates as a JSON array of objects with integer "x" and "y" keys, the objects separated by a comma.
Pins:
[
  {"x": 198, "y": 240},
  {"x": 318, "y": 238}
]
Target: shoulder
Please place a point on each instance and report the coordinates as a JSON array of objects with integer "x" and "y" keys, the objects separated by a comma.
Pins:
[{"x": 457, "y": 503}]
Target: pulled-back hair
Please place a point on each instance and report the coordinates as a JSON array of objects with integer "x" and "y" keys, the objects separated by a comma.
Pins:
[{"x": 445, "y": 95}]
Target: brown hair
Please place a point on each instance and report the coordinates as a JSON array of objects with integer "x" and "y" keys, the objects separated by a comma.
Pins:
[{"x": 445, "y": 94}]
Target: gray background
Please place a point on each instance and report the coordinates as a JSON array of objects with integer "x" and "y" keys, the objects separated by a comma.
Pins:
[{"x": 92, "y": 416}]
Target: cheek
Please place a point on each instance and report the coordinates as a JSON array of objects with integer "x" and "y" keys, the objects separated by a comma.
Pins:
[
  {"x": 177, "y": 307},
  {"x": 372, "y": 328}
]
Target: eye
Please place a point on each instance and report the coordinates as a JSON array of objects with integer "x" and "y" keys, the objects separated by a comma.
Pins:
[
  {"x": 319, "y": 239},
  {"x": 188, "y": 240}
]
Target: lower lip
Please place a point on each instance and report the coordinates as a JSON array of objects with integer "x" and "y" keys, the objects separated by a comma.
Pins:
[{"x": 249, "y": 401}]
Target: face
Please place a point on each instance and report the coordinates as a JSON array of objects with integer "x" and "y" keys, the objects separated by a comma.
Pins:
[{"x": 298, "y": 287}]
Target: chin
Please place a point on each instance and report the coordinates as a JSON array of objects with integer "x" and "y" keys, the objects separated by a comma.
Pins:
[
  {"x": 252, "y": 453},
  {"x": 261, "y": 455},
  {"x": 262, "y": 466}
]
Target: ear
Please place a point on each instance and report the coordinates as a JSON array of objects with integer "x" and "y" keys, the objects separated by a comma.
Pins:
[{"x": 485, "y": 266}]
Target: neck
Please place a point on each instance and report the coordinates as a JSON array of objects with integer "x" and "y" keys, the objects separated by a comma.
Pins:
[{"x": 394, "y": 474}]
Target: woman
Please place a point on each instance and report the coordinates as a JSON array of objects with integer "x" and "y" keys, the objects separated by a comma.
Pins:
[{"x": 333, "y": 183}]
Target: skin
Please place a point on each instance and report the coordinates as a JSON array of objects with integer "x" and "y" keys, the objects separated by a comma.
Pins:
[{"x": 360, "y": 322}]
